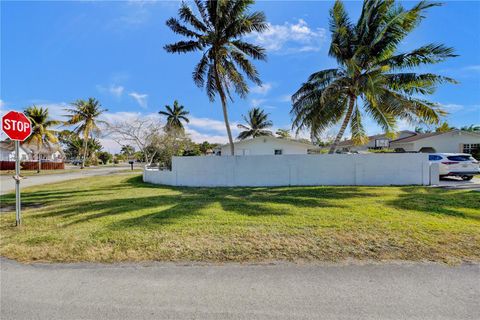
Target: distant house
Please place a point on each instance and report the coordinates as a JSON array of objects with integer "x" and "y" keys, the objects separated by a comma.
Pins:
[
  {"x": 29, "y": 152},
  {"x": 448, "y": 142},
  {"x": 378, "y": 141},
  {"x": 267, "y": 145},
  {"x": 408, "y": 141},
  {"x": 7, "y": 151}
]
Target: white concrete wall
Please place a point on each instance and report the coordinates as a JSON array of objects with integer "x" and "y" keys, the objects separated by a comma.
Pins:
[
  {"x": 295, "y": 170},
  {"x": 266, "y": 146}
]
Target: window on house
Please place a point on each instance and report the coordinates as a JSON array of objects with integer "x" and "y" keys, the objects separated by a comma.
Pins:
[
  {"x": 471, "y": 148},
  {"x": 382, "y": 143},
  {"x": 278, "y": 152}
]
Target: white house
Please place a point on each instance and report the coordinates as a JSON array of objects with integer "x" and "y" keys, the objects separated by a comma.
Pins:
[
  {"x": 7, "y": 151},
  {"x": 266, "y": 145},
  {"x": 51, "y": 152},
  {"x": 374, "y": 142},
  {"x": 448, "y": 142},
  {"x": 29, "y": 152}
]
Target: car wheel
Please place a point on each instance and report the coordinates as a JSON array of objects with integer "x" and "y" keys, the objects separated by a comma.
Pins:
[{"x": 467, "y": 178}]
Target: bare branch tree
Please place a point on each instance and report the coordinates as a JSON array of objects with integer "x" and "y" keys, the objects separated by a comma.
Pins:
[{"x": 140, "y": 131}]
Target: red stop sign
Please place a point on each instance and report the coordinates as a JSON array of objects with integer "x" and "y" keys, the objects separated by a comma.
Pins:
[{"x": 16, "y": 125}]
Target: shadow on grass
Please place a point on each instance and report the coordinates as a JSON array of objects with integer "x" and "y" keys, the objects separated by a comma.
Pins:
[
  {"x": 171, "y": 203},
  {"x": 439, "y": 201}
]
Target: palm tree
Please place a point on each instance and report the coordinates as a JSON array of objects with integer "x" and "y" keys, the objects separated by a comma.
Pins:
[
  {"x": 257, "y": 123},
  {"x": 283, "y": 133},
  {"x": 371, "y": 75},
  {"x": 444, "y": 127},
  {"x": 217, "y": 32},
  {"x": 175, "y": 117},
  {"x": 42, "y": 136},
  {"x": 471, "y": 128},
  {"x": 85, "y": 115}
]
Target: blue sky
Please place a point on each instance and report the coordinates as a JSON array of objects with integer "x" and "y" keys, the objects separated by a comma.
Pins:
[{"x": 53, "y": 53}]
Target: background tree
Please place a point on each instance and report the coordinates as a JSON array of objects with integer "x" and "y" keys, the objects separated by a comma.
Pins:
[
  {"x": 85, "y": 114},
  {"x": 371, "y": 75},
  {"x": 42, "y": 133},
  {"x": 217, "y": 32},
  {"x": 471, "y": 128},
  {"x": 206, "y": 147},
  {"x": 141, "y": 132},
  {"x": 128, "y": 151},
  {"x": 175, "y": 116},
  {"x": 444, "y": 127},
  {"x": 257, "y": 124},
  {"x": 104, "y": 156},
  {"x": 283, "y": 133}
]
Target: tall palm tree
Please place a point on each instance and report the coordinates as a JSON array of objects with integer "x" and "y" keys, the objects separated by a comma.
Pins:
[
  {"x": 175, "y": 117},
  {"x": 217, "y": 32},
  {"x": 372, "y": 78},
  {"x": 257, "y": 123},
  {"x": 84, "y": 115},
  {"x": 42, "y": 135}
]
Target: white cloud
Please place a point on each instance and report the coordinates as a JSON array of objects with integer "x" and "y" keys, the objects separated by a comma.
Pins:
[
  {"x": 258, "y": 102},
  {"x": 115, "y": 90},
  {"x": 451, "y": 108},
  {"x": 291, "y": 38},
  {"x": 2, "y": 103},
  {"x": 285, "y": 98},
  {"x": 141, "y": 98},
  {"x": 208, "y": 124},
  {"x": 119, "y": 116},
  {"x": 263, "y": 89},
  {"x": 199, "y": 137}
]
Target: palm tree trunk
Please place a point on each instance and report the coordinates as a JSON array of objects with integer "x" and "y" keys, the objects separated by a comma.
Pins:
[
  {"x": 85, "y": 144},
  {"x": 344, "y": 125},
  {"x": 223, "y": 98},
  {"x": 39, "y": 158}
]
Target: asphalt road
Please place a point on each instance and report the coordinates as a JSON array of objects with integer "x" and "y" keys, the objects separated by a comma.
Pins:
[
  {"x": 7, "y": 184},
  {"x": 281, "y": 291}
]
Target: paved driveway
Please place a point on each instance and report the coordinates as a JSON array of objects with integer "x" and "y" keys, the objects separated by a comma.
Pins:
[
  {"x": 457, "y": 183},
  {"x": 283, "y": 291},
  {"x": 7, "y": 184}
]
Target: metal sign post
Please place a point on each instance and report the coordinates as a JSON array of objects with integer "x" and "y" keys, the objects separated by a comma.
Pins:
[
  {"x": 18, "y": 207},
  {"x": 17, "y": 127}
]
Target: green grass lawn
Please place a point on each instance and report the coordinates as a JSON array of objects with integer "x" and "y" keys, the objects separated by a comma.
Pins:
[{"x": 120, "y": 218}]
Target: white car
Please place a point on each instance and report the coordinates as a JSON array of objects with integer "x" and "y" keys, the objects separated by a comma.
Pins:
[{"x": 461, "y": 165}]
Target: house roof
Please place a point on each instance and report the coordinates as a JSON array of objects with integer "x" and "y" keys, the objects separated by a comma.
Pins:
[
  {"x": 9, "y": 145},
  {"x": 30, "y": 148},
  {"x": 283, "y": 140},
  {"x": 349, "y": 142},
  {"x": 45, "y": 149},
  {"x": 420, "y": 136}
]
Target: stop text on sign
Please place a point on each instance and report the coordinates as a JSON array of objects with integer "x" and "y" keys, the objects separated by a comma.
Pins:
[{"x": 16, "y": 125}]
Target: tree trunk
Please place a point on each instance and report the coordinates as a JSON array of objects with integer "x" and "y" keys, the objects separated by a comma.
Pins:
[
  {"x": 39, "y": 159},
  {"x": 85, "y": 144},
  {"x": 223, "y": 98},
  {"x": 344, "y": 125}
]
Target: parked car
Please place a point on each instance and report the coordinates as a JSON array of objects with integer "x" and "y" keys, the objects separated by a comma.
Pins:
[
  {"x": 456, "y": 164},
  {"x": 76, "y": 162}
]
